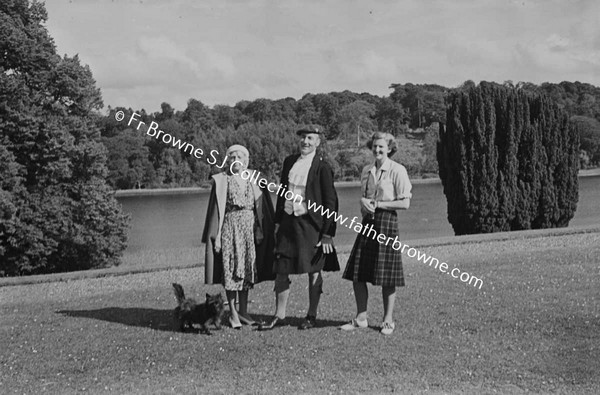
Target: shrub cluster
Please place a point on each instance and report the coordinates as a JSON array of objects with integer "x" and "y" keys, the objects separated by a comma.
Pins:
[{"x": 508, "y": 159}]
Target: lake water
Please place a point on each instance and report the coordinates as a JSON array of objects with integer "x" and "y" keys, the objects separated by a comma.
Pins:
[{"x": 177, "y": 221}]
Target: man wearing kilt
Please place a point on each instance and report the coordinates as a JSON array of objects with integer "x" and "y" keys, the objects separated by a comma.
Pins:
[
  {"x": 385, "y": 188},
  {"x": 304, "y": 238}
]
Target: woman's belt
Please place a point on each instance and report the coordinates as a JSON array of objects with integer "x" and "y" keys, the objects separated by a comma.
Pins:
[{"x": 229, "y": 209}]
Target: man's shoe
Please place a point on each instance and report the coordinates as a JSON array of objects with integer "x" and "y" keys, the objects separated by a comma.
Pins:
[
  {"x": 387, "y": 328},
  {"x": 272, "y": 323},
  {"x": 309, "y": 322},
  {"x": 354, "y": 324}
]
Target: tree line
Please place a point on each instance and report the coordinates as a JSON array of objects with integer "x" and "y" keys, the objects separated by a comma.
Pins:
[{"x": 266, "y": 127}]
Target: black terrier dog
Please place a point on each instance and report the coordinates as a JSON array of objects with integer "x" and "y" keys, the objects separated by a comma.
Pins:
[{"x": 189, "y": 311}]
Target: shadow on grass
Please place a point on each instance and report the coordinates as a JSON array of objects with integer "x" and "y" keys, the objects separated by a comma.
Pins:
[
  {"x": 296, "y": 321},
  {"x": 163, "y": 320}
]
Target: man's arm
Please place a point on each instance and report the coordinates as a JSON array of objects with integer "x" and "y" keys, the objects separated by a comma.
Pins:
[
  {"x": 280, "y": 199},
  {"x": 329, "y": 199}
]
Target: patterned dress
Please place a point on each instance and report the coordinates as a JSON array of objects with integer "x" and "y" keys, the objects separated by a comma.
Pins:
[{"x": 237, "y": 236}]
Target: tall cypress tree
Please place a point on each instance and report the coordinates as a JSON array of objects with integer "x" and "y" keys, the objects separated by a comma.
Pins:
[{"x": 508, "y": 160}]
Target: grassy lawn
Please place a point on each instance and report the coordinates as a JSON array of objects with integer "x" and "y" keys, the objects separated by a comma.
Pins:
[
  {"x": 158, "y": 258},
  {"x": 534, "y": 326}
]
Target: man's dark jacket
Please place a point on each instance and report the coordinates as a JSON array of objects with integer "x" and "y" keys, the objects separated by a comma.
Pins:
[{"x": 319, "y": 190}]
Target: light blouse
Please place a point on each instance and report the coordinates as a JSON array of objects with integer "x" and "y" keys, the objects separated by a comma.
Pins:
[{"x": 389, "y": 183}]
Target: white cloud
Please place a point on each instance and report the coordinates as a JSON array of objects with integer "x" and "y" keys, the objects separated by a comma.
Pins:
[
  {"x": 357, "y": 67},
  {"x": 161, "y": 48},
  {"x": 557, "y": 55},
  {"x": 222, "y": 52},
  {"x": 377, "y": 65},
  {"x": 202, "y": 59},
  {"x": 216, "y": 61},
  {"x": 557, "y": 43}
]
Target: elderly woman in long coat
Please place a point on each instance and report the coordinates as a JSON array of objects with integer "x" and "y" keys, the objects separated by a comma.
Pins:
[{"x": 239, "y": 234}]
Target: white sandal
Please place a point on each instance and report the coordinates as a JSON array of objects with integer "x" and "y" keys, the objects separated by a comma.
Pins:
[
  {"x": 387, "y": 328},
  {"x": 354, "y": 324}
]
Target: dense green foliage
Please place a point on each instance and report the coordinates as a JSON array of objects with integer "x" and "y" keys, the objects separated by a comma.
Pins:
[
  {"x": 582, "y": 102},
  {"x": 56, "y": 211},
  {"x": 508, "y": 160},
  {"x": 266, "y": 127},
  {"x": 589, "y": 133}
]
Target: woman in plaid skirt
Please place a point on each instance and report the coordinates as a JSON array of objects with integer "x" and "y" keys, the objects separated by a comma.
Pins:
[{"x": 385, "y": 188}]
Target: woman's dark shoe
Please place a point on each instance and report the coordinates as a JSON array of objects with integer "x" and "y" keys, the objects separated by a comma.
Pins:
[
  {"x": 272, "y": 323},
  {"x": 309, "y": 322}
]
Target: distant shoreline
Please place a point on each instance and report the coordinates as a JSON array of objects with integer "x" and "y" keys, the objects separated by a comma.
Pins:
[{"x": 340, "y": 184}]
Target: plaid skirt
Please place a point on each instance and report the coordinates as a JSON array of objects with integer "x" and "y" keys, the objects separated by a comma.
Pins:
[{"x": 374, "y": 262}]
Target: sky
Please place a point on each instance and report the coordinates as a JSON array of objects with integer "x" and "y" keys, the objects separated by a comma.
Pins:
[{"x": 146, "y": 52}]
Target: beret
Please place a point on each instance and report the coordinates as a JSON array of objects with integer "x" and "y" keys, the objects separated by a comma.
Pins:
[{"x": 309, "y": 129}]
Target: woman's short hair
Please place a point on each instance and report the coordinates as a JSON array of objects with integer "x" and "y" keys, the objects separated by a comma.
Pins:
[
  {"x": 242, "y": 150},
  {"x": 389, "y": 139}
]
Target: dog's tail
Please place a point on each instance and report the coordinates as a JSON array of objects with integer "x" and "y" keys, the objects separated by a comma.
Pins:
[{"x": 179, "y": 293}]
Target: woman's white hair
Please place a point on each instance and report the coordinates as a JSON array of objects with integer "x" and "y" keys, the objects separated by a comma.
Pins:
[{"x": 240, "y": 149}]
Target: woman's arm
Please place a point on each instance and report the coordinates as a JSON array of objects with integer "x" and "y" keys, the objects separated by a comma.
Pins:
[
  {"x": 401, "y": 204},
  {"x": 211, "y": 222},
  {"x": 367, "y": 206}
]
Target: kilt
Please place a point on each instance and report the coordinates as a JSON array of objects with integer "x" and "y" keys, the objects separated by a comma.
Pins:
[
  {"x": 374, "y": 262},
  {"x": 296, "y": 240}
]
